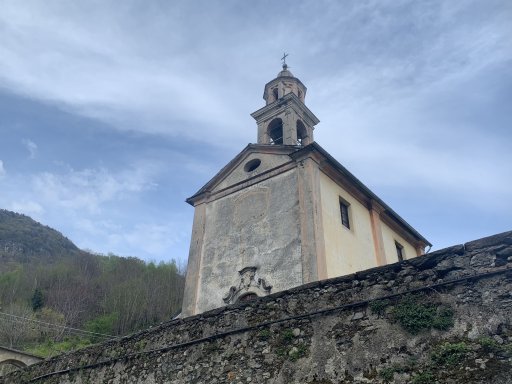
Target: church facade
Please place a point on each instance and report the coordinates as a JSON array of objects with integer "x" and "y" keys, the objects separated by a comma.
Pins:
[{"x": 284, "y": 213}]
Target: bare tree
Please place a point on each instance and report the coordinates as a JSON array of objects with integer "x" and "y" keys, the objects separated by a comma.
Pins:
[{"x": 16, "y": 325}]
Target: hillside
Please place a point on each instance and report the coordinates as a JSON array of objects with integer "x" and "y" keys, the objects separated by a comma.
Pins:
[
  {"x": 23, "y": 239},
  {"x": 45, "y": 278}
]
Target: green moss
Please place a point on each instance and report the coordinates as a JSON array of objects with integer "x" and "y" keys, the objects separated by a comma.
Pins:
[
  {"x": 449, "y": 353},
  {"x": 287, "y": 336},
  {"x": 211, "y": 347},
  {"x": 443, "y": 319},
  {"x": 491, "y": 345},
  {"x": 377, "y": 307},
  {"x": 299, "y": 352},
  {"x": 285, "y": 347},
  {"x": 140, "y": 345},
  {"x": 264, "y": 334},
  {"x": 415, "y": 313},
  {"x": 387, "y": 374},
  {"x": 423, "y": 378}
]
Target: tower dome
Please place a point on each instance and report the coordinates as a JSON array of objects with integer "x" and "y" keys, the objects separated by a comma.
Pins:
[
  {"x": 283, "y": 84},
  {"x": 285, "y": 72}
]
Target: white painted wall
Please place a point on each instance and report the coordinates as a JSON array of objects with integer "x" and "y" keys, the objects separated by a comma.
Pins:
[
  {"x": 347, "y": 250},
  {"x": 389, "y": 237}
]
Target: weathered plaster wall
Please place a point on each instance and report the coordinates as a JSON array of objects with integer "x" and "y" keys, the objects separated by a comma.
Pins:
[
  {"x": 239, "y": 174},
  {"x": 351, "y": 329},
  {"x": 347, "y": 250},
  {"x": 389, "y": 237},
  {"x": 257, "y": 226}
]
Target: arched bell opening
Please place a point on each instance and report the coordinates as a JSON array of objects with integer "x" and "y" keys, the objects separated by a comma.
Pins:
[
  {"x": 275, "y": 94},
  {"x": 301, "y": 132},
  {"x": 275, "y": 131},
  {"x": 301, "y": 95}
]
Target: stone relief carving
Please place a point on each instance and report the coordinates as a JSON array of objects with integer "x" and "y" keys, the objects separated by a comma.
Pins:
[{"x": 250, "y": 282}]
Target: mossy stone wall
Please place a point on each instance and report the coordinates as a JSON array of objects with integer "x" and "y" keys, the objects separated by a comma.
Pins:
[{"x": 441, "y": 318}]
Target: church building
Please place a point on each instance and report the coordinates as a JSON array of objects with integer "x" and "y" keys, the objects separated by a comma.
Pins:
[{"x": 284, "y": 213}]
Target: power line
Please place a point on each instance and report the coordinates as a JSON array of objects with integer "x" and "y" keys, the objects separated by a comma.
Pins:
[{"x": 20, "y": 318}]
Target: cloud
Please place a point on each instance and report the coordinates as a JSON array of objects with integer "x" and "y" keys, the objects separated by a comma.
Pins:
[
  {"x": 31, "y": 148},
  {"x": 144, "y": 68},
  {"x": 98, "y": 72},
  {"x": 409, "y": 94},
  {"x": 397, "y": 145},
  {"x": 150, "y": 240},
  {"x": 2, "y": 169},
  {"x": 89, "y": 189},
  {"x": 30, "y": 208}
]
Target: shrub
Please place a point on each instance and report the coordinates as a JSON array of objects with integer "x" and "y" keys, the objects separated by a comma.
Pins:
[{"x": 103, "y": 324}]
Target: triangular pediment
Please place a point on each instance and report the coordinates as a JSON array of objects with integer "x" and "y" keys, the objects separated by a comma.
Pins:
[
  {"x": 274, "y": 159},
  {"x": 254, "y": 160}
]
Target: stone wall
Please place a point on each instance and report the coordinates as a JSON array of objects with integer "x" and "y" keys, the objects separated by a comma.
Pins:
[{"x": 445, "y": 317}]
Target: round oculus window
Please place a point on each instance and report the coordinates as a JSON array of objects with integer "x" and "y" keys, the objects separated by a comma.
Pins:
[{"x": 251, "y": 165}]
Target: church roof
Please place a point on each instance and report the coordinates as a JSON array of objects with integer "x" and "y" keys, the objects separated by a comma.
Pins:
[
  {"x": 315, "y": 147},
  {"x": 327, "y": 163}
]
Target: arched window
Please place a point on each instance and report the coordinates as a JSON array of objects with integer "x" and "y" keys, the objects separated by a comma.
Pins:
[
  {"x": 301, "y": 132},
  {"x": 275, "y": 131},
  {"x": 275, "y": 93}
]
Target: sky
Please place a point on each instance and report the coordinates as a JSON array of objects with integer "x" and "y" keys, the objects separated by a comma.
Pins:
[{"x": 113, "y": 113}]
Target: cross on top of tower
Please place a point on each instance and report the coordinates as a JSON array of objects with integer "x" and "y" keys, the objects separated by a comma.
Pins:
[{"x": 285, "y": 55}]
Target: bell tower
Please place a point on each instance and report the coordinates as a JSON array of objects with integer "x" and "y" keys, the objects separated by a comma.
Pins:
[{"x": 285, "y": 119}]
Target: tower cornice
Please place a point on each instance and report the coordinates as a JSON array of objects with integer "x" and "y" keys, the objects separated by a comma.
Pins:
[
  {"x": 287, "y": 101},
  {"x": 283, "y": 78}
]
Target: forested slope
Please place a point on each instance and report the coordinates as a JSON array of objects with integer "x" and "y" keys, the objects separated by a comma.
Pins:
[
  {"x": 48, "y": 285},
  {"x": 24, "y": 240}
]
